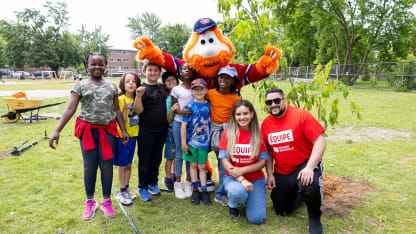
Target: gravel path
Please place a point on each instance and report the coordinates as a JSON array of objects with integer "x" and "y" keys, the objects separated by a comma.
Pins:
[{"x": 39, "y": 93}]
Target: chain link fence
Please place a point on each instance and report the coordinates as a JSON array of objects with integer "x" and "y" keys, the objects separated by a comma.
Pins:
[{"x": 389, "y": 75}]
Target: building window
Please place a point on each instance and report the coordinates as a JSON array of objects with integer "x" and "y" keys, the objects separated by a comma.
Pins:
[
  {"x": 126, "y": 60},
  {"x": 112, "y": 52},
  {"x": 119, "y": 52},
  {"x": 119, "y": 60},
  {"x": 126, "y": 68},
  {"x": 111, "y": 59},
  {"x": 112, "y": 68},
  {"x": 125, "y": 52}
]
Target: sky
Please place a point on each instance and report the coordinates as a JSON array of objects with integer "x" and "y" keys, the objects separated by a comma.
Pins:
[{"x": 112, "y": 15}]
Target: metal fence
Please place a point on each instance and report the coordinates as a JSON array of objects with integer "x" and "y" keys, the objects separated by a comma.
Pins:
[{"x": 373, "y": 75}]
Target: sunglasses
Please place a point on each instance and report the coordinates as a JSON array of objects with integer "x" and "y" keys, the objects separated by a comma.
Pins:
[{"x": 276, "y": 101}]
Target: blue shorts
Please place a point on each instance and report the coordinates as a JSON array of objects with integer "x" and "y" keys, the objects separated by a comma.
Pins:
[
  {"x": 170, "y": 148},
  {"x": 125, "y": 152}
]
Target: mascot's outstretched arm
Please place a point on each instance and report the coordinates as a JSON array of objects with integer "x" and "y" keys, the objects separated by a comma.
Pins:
[
  {"x": 267, "y": 63},
  {"x": 147, "y": 51}
]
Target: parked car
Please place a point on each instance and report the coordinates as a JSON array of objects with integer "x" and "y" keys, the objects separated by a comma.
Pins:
[
  {"x": 116, "y": 74},
  {"x": 19, "y": 74}
]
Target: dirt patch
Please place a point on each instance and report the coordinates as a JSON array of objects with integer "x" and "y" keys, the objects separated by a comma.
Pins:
[
  {"x": 341, "y": 195},
  {"x": 351, "y": 134},
  {"x": 4, "y": 154}
]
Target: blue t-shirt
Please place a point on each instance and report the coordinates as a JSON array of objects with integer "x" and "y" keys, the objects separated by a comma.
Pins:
[{"x": 199, "y": 123}]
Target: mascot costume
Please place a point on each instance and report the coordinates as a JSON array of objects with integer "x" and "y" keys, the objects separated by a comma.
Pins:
[{"x": 206, "y": 51}]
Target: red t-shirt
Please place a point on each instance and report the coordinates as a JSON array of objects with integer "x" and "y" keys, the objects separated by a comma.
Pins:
[
  {"x": 242, "y": 152},
  {"x": 290, "y": 138}
]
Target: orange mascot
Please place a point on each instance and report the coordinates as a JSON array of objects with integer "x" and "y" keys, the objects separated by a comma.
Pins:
[{"x": 206, "y": 51}]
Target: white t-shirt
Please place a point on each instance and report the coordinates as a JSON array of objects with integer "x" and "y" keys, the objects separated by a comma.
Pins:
[{"x": 183, "y": 96}]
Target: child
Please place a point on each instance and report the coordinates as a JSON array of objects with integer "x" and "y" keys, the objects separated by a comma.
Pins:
[
  {"x": 170, "y": 80},
  {"x": 222, "y": 100},
  {"x": 96, "y": 128},
  {"x": 182, "y": 94},
  {"x": 243, "y": 155},
  {"x": 125, "y": 152},
  {"x": 150, "y": 104},
  {"x": 195, "y": 140}
]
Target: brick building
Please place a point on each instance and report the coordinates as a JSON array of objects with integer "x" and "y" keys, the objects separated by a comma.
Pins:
[{"x": 121, "y": 60}]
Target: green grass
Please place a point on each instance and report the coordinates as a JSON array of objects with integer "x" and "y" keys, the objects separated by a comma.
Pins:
[{"x": 42, "y": 189}]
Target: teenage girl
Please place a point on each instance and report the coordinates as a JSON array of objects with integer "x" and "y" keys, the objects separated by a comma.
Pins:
[
  {"x": 222, "y": 100},
  {"x": 182, "y": 94},
  {"x": 125, "y": 152},
  {"x": 243, "y": 155},
  {"x": 96, "y": 128},
  {"x": 170, "y": 80},
  {"x": 150, "y": 104}
]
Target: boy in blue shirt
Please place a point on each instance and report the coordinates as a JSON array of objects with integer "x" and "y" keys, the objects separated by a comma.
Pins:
[{"x": 195, "y": 132}]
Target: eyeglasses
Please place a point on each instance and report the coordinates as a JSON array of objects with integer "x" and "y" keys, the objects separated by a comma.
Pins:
[{"x": 276, "y": 101}]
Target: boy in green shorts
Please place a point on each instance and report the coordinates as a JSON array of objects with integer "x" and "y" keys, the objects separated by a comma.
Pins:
[{"x": 195, "y": 132}]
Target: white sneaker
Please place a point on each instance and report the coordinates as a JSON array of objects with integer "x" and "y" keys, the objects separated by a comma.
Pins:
[
  {"x": 124, "y": 198},
  {"x": 131, "y": 195},
  {"x": 188, "y": 188},
  {"x": 178, "y": 189}
]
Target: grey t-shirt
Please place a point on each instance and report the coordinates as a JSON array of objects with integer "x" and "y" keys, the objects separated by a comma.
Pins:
[{"x": 97, "y": 105}]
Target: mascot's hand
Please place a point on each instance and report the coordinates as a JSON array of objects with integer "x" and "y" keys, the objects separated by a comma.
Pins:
[
  {"x": 147, "y": 51},
  {"x": 267, "y": 63}
]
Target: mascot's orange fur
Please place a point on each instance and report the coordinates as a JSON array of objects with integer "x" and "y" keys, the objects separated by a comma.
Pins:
[{"x": 206, "y": 51}]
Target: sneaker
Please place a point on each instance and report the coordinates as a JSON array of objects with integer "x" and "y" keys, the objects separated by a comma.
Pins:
[
  {"x": 178, "y": 189},
  {"x": 315, "y": 225},
  {"x": 187, "y": 188},
  {"x": 195, "y": 197},
  {"x": 234, "y": 212},
  {"x": 90, "y": 207},
  {"x": 154, "y": 189},
  {"x": 144, "y": 195},
  {"x": 107, "y": 208},
  {"x": 124, "y": 198},
  {"x": 168, "y": 184},
  {"x": 205, "y": 198},
  {"x": 131, "y": 195},
  {"x": 210, "y": 186},
  {"x": 223, "y": 201}
]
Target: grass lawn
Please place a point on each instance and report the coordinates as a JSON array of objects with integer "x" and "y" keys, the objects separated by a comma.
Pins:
[{"x": 42, "y": 189}]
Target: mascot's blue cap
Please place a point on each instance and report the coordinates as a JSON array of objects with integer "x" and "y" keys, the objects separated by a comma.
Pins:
[{"x": 204, "y": 24}]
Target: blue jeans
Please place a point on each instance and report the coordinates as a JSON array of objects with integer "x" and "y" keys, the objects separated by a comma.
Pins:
[
  {"x": 178, "y": 156},
  {"x": 170, "y": 147},
  {"x": 220, "y": 191},
  {"x": 255, "y": 200}
]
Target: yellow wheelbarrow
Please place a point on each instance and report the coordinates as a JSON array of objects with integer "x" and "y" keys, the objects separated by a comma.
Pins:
[{"x": 17, "y": 106}]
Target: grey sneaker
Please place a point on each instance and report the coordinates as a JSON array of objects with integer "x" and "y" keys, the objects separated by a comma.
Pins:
[
  {"x": 131, "y": 195},
  {"x": 223, "y": 201},
  {"x": 124, "y": 198}
]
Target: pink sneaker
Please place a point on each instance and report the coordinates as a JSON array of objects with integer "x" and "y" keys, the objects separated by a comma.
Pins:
[
  {"x": 90, "y": 208},
  {"x": 107, "y": 208}
]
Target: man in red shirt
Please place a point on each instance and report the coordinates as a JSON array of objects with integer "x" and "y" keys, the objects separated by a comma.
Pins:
[{"x": 295, "y": 142}]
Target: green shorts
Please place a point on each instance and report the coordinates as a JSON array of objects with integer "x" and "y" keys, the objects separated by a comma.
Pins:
[{"x": 195, "y": 155}]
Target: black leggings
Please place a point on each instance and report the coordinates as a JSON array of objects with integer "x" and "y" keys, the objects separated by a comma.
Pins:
[
  {"x": 94, "y": 158},
  {"x": 289, "y": 192}
]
